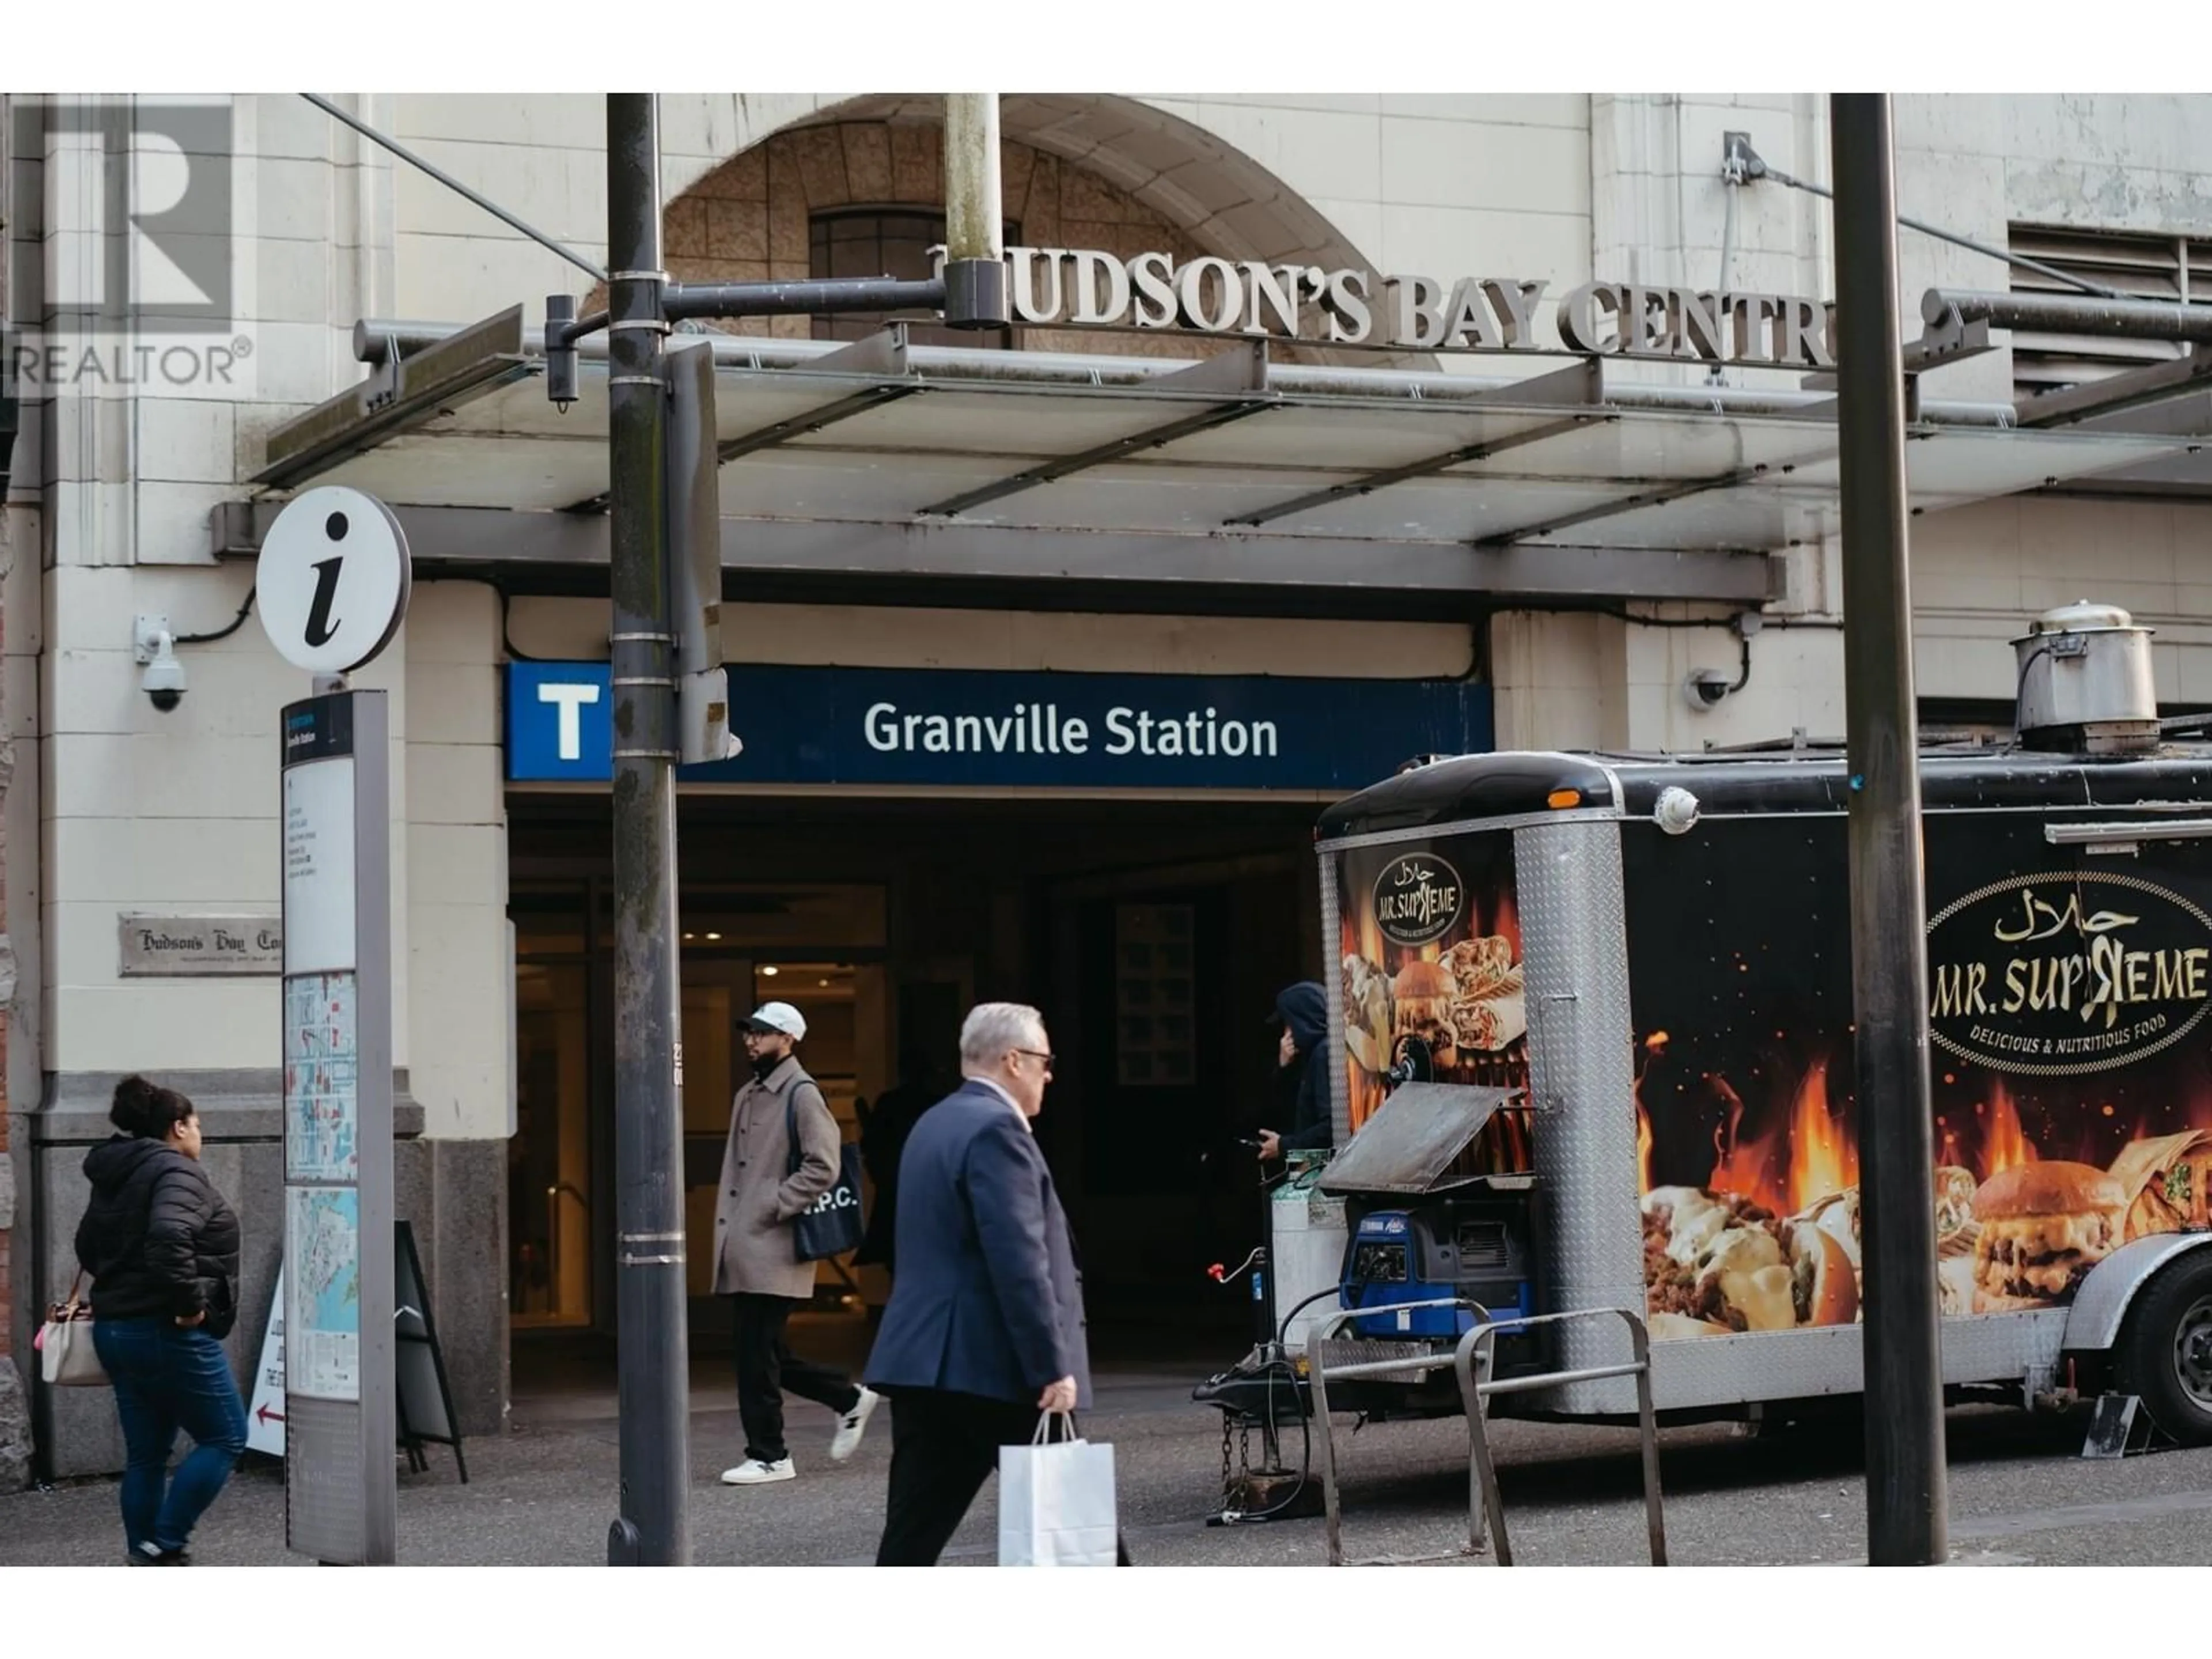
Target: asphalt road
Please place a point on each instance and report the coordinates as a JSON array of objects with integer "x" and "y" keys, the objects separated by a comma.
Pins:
[{"x": 543, "y": 1494}]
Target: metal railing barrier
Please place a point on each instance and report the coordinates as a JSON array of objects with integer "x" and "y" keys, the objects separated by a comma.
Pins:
[{"x": 1471, "y": 1362}]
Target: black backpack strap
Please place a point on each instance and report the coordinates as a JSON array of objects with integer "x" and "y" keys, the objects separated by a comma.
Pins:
[{"x": 791, "y": 1119}]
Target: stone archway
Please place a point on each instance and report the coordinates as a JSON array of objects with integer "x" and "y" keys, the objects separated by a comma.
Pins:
[{"x": 1102, "y": 172}]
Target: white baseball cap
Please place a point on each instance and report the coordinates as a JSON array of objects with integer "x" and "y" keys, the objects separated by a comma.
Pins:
[{"x": 779, "y": 1016}]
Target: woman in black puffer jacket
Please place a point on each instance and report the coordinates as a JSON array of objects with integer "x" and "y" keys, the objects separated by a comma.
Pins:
[{"x": 162, "y": 1248}]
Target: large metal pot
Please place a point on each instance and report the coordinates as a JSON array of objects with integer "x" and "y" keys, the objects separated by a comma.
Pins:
[{"x": 2085, "y": 678}]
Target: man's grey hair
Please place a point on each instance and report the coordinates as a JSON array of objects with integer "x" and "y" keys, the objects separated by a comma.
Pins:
[{"x": 992, "y": 1028}]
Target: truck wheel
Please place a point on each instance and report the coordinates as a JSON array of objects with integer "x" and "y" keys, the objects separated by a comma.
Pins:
[{"x": 2167, "y": 1356}]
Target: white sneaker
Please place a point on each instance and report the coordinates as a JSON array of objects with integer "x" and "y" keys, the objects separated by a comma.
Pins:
[
  {"x": 853, "y": 1424},
  {"x": 754, "y": 1473}
]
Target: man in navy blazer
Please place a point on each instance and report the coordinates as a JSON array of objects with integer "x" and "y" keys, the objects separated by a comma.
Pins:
[{"x": 985, "y": 1329}]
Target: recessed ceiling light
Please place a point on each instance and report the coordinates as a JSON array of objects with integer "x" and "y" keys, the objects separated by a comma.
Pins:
[
  {"x": 714, "y": 936},
  {"x": 825, "y": 984},
  {"x": 771, "y": 972}
]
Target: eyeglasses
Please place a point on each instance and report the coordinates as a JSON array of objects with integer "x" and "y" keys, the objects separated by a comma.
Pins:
[{"x": 1035, "y": 1054}]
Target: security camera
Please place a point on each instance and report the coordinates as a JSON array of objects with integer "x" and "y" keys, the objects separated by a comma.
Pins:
[
  {"x": 155, "y": 649},
  {"x": 1705, "y": 688}
]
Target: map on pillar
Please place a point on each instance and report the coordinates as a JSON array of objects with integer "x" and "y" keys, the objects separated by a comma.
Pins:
[
  {"x": 322, "y": 1325},
  {"x": 321, "y": 1079}
]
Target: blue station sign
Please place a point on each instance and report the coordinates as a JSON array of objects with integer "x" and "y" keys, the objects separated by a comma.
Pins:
[{"x": 949, "y": 728}]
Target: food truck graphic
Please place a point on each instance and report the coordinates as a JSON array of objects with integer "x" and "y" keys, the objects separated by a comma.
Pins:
[{"x": 1637, "y": 969}]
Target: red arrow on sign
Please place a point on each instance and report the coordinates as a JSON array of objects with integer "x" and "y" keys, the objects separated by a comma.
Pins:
[{"x": 266, "y": 1415}]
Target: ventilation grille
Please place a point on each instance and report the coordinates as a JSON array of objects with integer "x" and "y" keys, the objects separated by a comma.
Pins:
[
  {"x": 1482, "y": 1244},
  {"x": 2167, "y": 268}
]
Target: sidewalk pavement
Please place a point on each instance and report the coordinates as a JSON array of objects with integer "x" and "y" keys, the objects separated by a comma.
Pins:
[{"x": 544, "y": 1493}]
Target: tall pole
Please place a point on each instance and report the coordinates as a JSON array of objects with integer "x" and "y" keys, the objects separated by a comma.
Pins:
[
  {"x": 1906, "y": 1498},
  {"x": 653, "y": 1348}
]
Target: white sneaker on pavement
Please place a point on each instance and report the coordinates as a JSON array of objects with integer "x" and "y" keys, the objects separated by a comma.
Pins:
[
  {"x": 853, "y": 1424},
  {"x": 754, "y": 1473}
]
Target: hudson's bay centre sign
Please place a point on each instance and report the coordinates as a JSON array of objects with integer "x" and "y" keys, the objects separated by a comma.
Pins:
[{"x": 1052, "y": 286}]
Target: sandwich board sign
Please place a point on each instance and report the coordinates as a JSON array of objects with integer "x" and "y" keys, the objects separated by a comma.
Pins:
[
  {"x": 425, "y": 1403},
  {"x": 265, "y": 1415},
  {"x": 333, "y": 580}
]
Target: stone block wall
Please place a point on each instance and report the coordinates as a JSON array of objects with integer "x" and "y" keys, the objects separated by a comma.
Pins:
[{"x": 750, "y": 219}]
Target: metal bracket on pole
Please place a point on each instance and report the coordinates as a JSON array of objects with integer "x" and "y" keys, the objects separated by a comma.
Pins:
[
  {"x": 695, "y": 552},
  {"x": 560, "y": 350}
]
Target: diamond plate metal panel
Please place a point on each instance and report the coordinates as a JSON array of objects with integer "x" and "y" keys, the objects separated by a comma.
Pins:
[
  {"x": 1332, "y": 979},
  {"x": 1574, "y": 944},
  {"x": 1364, "y": 1352},
  {"x": 324, "y": 1503},
  {"x": 1723, "y": 1370}
]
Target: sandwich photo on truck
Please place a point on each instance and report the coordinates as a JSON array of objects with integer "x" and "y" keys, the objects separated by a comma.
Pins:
[{"x": 1658, "y": 950}]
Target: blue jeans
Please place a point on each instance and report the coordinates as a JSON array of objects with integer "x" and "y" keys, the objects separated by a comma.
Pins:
[{"x": 166, "y": 1379}]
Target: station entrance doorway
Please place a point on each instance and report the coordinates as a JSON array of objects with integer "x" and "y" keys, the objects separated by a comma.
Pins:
[{"x": 1154, "y": 936}]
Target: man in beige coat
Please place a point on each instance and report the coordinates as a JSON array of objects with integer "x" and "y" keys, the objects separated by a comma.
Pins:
[{"x": 780, "y": 1157}]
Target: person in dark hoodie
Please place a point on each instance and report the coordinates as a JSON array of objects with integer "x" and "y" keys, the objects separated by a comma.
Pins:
[
  {"x": 1302, "y": 1013},
  {"x": 161, "y": 1248},
  {"x": 882, "y": 1139}
]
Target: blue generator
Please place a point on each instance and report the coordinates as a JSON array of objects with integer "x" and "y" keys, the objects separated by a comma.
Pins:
[
  {"x": 1430, "y": 1215},
  {"x": 1477, "y": 1248}
]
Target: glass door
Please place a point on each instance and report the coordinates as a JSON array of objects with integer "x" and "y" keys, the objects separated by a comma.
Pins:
[{"x": 548, "y": 1161}]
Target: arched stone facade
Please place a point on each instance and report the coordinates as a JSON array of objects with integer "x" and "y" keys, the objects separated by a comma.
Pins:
[{"x": 1090, "y": 171}]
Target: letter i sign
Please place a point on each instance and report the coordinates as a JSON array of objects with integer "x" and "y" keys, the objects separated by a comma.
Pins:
[{"x": 333, "y": 580}]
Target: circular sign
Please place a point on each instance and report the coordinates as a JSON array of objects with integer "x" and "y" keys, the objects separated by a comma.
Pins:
[
  {"x": 333, "y": 580},
  {"x": 1418, "y": 897},
  {"x": 2067, "y": 972}
]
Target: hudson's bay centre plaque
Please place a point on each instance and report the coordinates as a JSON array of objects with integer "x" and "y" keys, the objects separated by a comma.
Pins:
[{"x": 197, "y": 947}]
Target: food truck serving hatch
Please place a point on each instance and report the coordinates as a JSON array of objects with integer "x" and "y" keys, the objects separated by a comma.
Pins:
[{"x": 1413, "y": 1146}]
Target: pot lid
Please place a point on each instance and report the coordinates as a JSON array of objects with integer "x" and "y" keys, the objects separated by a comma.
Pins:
[{"x": 2080, "y": 616}]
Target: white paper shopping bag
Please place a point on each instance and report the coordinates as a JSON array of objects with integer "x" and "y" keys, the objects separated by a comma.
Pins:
[{"x": 1056, "y": 1501}]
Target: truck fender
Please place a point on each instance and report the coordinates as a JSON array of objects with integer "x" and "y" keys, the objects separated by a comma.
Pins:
[{"x": 2099, "y": 1308}]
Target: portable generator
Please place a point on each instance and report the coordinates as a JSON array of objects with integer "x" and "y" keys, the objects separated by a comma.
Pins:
[
  {"x": 1425, "y": 1224},
  {"x": 1422, "y": 1221},
  {"x": 1477, "y": 1248}
]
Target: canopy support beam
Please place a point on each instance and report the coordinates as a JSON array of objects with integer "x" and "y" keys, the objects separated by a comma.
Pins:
[
  {"x": 1581, "y": 386},
  {"x": 1736, "y": 479},
  {"x": 1242, "y": 370},
  {"x": 1119, "y": 570}
]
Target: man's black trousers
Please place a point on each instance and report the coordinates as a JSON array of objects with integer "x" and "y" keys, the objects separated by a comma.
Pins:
[
  {"x": 768, "y": 1370},
  {"x": 943, "y": 1445}
]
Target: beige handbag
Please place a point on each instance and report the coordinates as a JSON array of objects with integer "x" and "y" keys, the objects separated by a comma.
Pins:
[{"x": 67, "y": 1358}]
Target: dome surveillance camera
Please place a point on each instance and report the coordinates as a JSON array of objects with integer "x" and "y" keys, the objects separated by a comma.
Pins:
[
  {"x": 163, "y": 682},
  {"x": 156, "y": 647},
  {"x": 1704, "y": 690}
]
